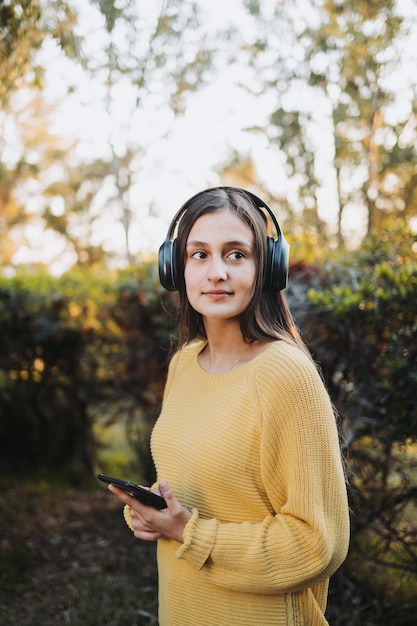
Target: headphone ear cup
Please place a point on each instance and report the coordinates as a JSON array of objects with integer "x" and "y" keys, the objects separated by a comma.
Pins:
[
  {"x": 268, "y": 263},
  {"x": 167, "y": 265},
  {"x": 276, "y": 266}
]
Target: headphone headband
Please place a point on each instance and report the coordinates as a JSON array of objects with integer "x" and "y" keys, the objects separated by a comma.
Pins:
[{"x": 277, "y": 258}]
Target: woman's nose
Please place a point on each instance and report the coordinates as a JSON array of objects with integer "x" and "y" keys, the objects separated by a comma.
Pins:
[{"x": 217, "y": 269}]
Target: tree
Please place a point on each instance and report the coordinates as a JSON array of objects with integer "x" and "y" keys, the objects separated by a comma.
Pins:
[
  {"x": 25, "y": 26},
  {"x": 339, "y": 58},
  {"x": 27, "y": 146},
  {"x": 28, "y": 149},
  {"x": 366, "y": 41},
  {"x": 153, "y": 58},
  {"x": 159, "y": 56}
]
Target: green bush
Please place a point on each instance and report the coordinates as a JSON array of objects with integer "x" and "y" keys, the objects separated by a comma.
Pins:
[
  {"x": 362, "y": 328},
  {"x": 43, "y": 399},
  {"x": 75, "y": 350}
]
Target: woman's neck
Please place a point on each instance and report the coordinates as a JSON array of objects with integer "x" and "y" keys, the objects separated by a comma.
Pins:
[{"x": 226, "y": 348}]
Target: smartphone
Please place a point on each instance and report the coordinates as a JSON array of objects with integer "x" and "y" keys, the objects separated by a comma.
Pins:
[{"x": 140, "y": 493}]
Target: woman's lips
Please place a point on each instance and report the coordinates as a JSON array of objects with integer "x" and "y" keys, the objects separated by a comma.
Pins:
[{"x": 217, "y": 293}]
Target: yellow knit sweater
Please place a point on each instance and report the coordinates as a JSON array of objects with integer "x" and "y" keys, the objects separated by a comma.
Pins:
[{"x": 255, "y": 455}]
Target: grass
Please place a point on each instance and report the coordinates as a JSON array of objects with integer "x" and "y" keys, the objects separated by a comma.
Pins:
[{"x": 114, "y": 455}]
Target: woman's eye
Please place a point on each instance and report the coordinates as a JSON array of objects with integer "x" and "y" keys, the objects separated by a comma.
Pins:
[
  {"x": 198, "y": 254},
  {"x": 236, "y": 255}
]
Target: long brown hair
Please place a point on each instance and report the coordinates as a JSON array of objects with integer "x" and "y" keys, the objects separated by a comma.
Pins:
[{"x": 267, "y": 317}]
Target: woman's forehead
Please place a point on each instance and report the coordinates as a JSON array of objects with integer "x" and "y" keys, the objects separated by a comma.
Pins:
[{"x": 222, "y": 222}]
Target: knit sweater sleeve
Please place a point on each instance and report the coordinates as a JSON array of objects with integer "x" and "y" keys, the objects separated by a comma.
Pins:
[{"x": 303, "y": 541}]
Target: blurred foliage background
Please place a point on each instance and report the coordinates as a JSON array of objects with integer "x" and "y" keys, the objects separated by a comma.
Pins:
[{"x": 86, "y": 331}]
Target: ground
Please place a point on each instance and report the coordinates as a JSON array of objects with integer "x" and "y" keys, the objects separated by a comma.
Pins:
[{"x": 70, "y": 559}]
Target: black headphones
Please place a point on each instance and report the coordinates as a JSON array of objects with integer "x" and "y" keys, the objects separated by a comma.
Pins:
[{"x": 277, "y": 251}]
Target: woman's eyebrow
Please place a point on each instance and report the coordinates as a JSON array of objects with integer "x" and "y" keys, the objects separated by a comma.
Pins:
[
  {"x": 234, "y": 243},
  {"x": 194, "y": 242}
]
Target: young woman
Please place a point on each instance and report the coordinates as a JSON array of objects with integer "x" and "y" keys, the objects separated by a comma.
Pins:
[{"x": 246, "y": 446}]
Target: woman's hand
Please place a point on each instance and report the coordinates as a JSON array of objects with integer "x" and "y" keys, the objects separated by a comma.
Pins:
[{"x": 151, "y": 524}]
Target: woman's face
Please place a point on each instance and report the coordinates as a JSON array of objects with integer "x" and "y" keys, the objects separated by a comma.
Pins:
[{"x": 220, "y": 266}]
